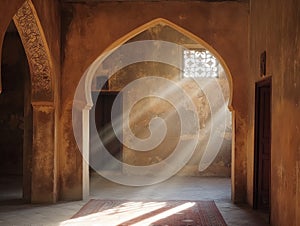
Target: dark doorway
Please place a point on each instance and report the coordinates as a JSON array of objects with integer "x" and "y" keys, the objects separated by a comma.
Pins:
[
  {"x": 262, "y": 153},
  {"x": 103, "y": 102},
  {"x": 15, "y": 120}
]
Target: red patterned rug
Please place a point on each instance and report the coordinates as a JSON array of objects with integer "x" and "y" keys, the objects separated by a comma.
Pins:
[{"x": 143, "y": 213}]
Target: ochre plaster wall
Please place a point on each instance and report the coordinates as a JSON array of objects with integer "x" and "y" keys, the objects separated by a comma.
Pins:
[
  {"x": 90, "y": 29},
  {"x": 47, "y": 114},
  {"x": 149, "y": 108},
  {"x": 275, "y": 27}
]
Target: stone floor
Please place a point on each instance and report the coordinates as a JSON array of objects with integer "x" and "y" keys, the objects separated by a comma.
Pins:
[{"x": 13, "y": 212}]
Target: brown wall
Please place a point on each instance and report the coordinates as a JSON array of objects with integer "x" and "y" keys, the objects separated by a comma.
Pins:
[
  {"x": 90, "y": 29},
  {"x": 276, "y": 28},
  {"x": 47, "y": 117},
  {"x": 221, "y": 166}
]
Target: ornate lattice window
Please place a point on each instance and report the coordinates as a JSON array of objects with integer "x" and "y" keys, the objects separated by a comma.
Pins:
[{"x": 199, "y": 63}]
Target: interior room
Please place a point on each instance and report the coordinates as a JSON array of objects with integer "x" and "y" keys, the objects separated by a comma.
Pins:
[{"x": 167, "y": 112}]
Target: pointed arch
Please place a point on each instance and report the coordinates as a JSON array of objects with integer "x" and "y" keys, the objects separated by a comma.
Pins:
[
  {"x": 83, "y": 99},
  {"x": 41, "y": 179},
  {"x": 37, "y": 52},
  {"x": 163, "y": 21}
]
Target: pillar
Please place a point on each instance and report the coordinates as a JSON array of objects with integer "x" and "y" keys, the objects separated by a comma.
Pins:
[{"x": 44, "y": 179}]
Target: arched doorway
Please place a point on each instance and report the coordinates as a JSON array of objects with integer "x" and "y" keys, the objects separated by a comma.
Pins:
[
  {"x": 156, "y": 29},
  {"x": 16, "y": 119},
  {"x": 41, "y": 180}
]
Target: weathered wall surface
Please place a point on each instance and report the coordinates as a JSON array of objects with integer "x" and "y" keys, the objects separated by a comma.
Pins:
[
  {"x": 90, "y": 29},
  {"x": 49, "y": 13},
  {"x": 149, "y": 108},
  {"x": 46, "y": 112},
  {"x": 276, "y": 28}
]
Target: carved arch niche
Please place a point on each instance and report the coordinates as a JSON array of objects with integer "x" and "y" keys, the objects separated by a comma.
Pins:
[{"x": 40, "y": 178}]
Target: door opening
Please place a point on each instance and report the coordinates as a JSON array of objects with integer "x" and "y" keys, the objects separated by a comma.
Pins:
[
  {"x": 262, "y": 152},
  {"x": 103, "y": 102},
  {"x": 15, "y": 120}
]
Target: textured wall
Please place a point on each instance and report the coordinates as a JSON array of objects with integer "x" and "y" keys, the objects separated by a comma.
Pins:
[
  {"x": 149, "y": 108},
  {"x": 91, "y": 28},
  {"x": 276, "y": 28}
]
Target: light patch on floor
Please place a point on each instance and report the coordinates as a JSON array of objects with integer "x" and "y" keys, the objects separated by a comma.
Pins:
[{"x": 176, "y": 188}]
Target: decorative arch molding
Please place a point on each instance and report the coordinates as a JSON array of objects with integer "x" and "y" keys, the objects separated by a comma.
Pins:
[
  {"x": 183, "y": 31},
  {"x": 37, "y": 51}
]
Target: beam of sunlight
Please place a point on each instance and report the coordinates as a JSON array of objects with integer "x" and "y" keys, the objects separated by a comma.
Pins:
[
  {"x": 199, "y": 135},
  {"x": 212, "y": 149},
  {"x": 164, "y": 214},
  {"x": 116, "y": 215},
  {"x": 169, "y": 91},
  {"x": 206, "y": 130}
]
